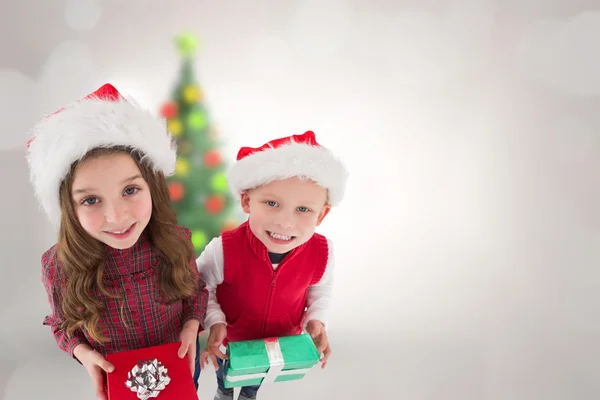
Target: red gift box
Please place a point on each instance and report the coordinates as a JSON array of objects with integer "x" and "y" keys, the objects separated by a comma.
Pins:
[{"x": 180, "y": 387}]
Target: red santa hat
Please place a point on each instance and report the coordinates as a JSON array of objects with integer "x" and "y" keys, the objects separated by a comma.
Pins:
[
  {"x": 104, "y": 118},
  {"x": 292, "y": 156}
]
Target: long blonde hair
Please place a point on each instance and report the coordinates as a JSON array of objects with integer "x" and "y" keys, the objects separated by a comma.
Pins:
[{"x": 81, "y": 258}]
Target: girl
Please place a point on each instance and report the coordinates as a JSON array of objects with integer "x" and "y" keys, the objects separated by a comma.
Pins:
[{"x": 122, "y": 275}]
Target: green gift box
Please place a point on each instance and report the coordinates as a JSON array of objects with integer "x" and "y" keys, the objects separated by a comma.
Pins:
[{"x": 256, "y": 362}]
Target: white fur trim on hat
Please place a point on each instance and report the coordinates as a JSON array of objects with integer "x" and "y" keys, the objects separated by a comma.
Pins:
[
  {"x": 290, "y": 160},
  {"x": 65, "y": 137}
]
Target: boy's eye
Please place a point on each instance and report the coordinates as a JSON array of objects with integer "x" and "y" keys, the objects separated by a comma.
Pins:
[
  {"x": 90, "y": 201},
  {"x": 272, "y": 203},
  {"x": 131, "y": 190},
  {"x": 303, "y": 209}
]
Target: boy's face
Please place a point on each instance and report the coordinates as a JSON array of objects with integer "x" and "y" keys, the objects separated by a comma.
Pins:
[{"x": 283, "y": 214}]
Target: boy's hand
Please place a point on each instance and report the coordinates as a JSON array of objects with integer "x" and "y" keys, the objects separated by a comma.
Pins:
[
  {"x": 188, "y": 336},
  {"x": 218, "y": 333},
  {"x": 95, "y": 364},
  {"x": 317, "y": 332}
]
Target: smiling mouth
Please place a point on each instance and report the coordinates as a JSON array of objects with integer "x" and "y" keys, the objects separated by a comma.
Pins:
[
  {"x": 118, "y": 232},
  {"x": 281, "y": 237}
]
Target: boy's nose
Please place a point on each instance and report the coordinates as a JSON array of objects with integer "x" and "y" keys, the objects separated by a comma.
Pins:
[{"x": 284, "y": 220}]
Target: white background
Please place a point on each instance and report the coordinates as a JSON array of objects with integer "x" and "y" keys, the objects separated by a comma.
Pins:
[{"x": 468, "y": 245}]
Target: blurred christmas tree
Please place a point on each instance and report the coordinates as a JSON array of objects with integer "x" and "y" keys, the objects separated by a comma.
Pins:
[{"x": 198, "y": 190}]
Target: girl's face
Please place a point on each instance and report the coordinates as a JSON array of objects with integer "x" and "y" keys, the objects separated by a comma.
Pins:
[{"x": 111, "y": 199}]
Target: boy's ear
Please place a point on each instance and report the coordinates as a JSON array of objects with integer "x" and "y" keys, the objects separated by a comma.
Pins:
[
  {"x": 245, "y": 200},
  {"x": 323, "y": 214}
]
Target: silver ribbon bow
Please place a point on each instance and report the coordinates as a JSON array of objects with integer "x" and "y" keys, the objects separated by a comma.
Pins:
[{"x": 147, "y": 378}]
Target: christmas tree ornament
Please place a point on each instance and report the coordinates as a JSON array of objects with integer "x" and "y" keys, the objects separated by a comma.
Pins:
[
  {"x": 169, "y": 110},
  {"x": 212, "y": 158},
  {"x": 197, "y": 120},
  {"x": 219, "y": 182},
  {"x": 184, "y": 147},
  {"x": 176, "y": 191},
  {"x": 199, "y": 238},
  {"x": 215, "y": 204},
  {"x": 187, "y": 44},
  {"x": 182, "y": 167},
  {"x": 191, "y": 94},
  {"x": 175, "y": 127}
]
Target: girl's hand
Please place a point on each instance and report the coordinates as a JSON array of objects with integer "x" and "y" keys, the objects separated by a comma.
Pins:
[
  {"x": 95, "y": 364},
  {"x": 188, "y": 337}
]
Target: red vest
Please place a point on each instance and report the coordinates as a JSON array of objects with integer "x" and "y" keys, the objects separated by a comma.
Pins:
[{"x": 258, "y": 301}]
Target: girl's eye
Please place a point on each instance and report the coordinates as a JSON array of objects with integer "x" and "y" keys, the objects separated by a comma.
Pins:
[
  {"x": 303, "y": 209},
  {"x": 90, "y": 201},
  {"x": 131, "y": 190},
  {"x": 272, "y": 203}
]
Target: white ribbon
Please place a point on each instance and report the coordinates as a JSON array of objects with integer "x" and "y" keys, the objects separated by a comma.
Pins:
[
  {"x": 276, "y": 364},
  {"x": 276, "y": 361},
  {"x": 247, "y": 377}
]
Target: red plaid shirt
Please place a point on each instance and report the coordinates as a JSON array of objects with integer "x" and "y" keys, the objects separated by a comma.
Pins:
[{"x": 146, "y": 322}]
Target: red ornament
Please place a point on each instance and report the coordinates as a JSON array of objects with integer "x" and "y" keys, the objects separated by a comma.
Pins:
[
  {"x": 169, "y": 110},
  {"x": 212, "y": 158},
  {"x": 215, "y": 204},
  {"x": 176, "y": 191}
]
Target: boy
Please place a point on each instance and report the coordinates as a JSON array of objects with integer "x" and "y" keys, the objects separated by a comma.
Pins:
[{"x": 272, "y": 276}]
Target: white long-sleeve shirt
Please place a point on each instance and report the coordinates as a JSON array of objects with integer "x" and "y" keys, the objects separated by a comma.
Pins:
[{"x": 210, "y": 264}]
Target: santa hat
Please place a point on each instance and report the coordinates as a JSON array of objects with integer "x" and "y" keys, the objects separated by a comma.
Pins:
[
  {"x": 102, "y": 119},
  {"x": 292, "y": 156}
]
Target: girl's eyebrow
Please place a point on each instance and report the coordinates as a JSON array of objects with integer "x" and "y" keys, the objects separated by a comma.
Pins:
[
  {"x": 131, "y": 179},
  {"x": 85, "y": 190}
]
